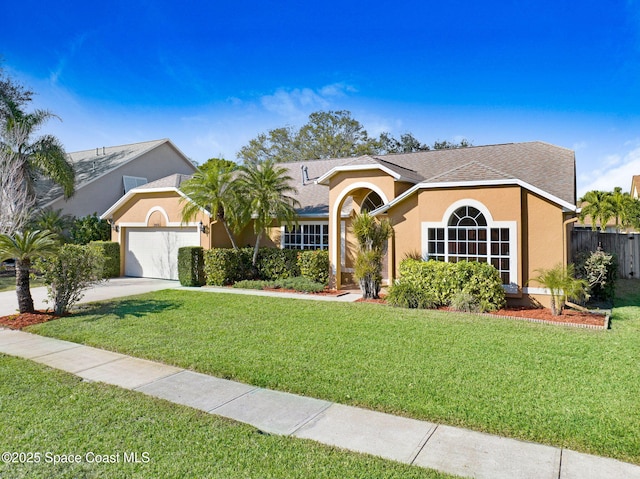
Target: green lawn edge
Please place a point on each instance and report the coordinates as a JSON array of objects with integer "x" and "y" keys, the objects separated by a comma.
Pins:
[{"x": 561, "y": 386}]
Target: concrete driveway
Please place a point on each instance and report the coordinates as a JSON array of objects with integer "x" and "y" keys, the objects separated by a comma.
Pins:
[{"x": 114, "y": 288}]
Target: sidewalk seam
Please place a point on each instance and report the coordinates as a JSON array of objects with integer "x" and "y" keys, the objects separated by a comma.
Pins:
[
  {"x": 560, "y": 463},
  {"x": 310, "y": 419},
  {"x": 423, "y": 444},
  {"x": 210, "y": 411}
]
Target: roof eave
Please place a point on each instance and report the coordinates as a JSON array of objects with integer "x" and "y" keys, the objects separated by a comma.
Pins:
[{"x": 566, "y": 206}]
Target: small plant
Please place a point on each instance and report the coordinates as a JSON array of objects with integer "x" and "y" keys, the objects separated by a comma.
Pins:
[
  {"x": 69, "y": 272},
  {"x": 404, "y": 295},
  {"x": 111, "y": 252},
  {"x": 464, "y": 301},
  {"x": 563, "y": 285}
]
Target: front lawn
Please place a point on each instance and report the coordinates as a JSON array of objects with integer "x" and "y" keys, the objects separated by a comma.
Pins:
[
  {"x": 8, "y": 283},
  {"x": 567, "y": 387},
  {"x": 46, "y": 413}
]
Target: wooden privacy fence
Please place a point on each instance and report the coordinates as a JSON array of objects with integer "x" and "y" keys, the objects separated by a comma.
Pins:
[{"x": 625, "y": 246}]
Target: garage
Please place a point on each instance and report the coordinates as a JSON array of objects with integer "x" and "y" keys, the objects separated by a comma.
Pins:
[{"x": 153, "y": 252}]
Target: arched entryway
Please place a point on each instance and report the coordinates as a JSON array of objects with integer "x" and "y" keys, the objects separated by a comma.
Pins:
[{"x": 354, "y": 198}]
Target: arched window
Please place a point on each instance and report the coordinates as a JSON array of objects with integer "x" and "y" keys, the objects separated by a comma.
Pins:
[
  {"x": 468, "y": 237},
  {"x": 371, "y": 202}
]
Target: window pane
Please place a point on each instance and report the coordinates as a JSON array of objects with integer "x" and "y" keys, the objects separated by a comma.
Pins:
[
  {"x": 504, "y": 234},
  {"x": 504, "y": 249}
]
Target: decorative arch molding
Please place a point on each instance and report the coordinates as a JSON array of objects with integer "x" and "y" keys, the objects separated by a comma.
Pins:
[
  {"x": 159, "y": 209},
  {"x": 350, "y": 188},
  {"x": 467, "y": 202}
]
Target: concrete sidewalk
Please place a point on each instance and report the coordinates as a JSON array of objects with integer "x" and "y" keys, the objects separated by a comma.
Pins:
[{"x": 448, "y": 449}]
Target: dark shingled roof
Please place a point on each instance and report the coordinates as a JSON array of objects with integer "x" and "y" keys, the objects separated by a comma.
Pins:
[{"x": 544, "y": 166}]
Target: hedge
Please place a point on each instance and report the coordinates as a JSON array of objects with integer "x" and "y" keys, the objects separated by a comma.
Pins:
[
  {"x": 276, "y": 263},
  {"x": 111, "y": 252},
  {"x": 224, "y": 266},
  {"x": 438, "y": 282},
  {"x": 191, "y": 265}
]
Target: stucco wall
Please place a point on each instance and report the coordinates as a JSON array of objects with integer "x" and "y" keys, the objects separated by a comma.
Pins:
[{"x": 99, "y": 195}]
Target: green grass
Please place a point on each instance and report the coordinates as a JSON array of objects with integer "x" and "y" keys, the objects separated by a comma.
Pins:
[
  {"x": 8, "y": 283},
  {"x": 557, "y": 385},
  {"x": 46, "y": 411}
]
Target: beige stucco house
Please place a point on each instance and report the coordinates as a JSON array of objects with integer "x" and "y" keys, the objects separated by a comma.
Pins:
[
  {"x": 510, "y": 205},
  {"x": 105, "y": 174}
]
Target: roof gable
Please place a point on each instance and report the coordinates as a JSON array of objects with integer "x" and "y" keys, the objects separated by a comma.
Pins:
[{"x": 91, "y": 165}]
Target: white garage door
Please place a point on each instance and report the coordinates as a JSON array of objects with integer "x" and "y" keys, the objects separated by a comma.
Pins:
[{"x": 153, "y": 252}]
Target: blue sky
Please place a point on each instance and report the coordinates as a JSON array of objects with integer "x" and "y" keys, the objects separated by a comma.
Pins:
[{"x": 212, "y": 75}]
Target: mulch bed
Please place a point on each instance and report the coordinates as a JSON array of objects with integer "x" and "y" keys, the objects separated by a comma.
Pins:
[
  {"x": 19, "y": 321},
  {"x": 540, "y": 315}
]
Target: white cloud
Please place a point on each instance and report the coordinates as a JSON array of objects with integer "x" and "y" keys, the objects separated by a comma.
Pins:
[
  {"x": 607, "y": 178},
  {"x": 295, "y": 104}
]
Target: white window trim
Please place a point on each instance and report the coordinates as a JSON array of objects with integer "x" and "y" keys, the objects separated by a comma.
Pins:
[
  {"x": 512, "y": 226},
  {"x": 302, "y": 224}
]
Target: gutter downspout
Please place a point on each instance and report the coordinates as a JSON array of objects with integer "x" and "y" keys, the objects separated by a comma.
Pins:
[{"x": 565, "y": 243}]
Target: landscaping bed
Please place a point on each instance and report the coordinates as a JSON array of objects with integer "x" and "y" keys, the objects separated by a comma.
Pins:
[{"x": 19, "y": 321}]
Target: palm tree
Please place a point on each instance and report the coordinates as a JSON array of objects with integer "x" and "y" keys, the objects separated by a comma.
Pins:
[
  {"x": 372, "y": 236},
  {"x": 24, "y": 247},
  {"x": 267, "y": 190},
  {"x": 620, "y": 206},
  {"x": 562, "y": 284},
  {"x": 43, "y": 155},
  {"x": 213, "y": 188},
  {"x": 599, "y": 207},
  {"x": 54, "y": 221}
]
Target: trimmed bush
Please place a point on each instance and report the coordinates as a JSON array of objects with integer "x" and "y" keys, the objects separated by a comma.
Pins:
[
  {"x": 276, "y": 263},
  {"x": 439, "y": 282},
  {"x": 224, "y": 266},
  {"x": 111, "y": 252},
  {"x": 191, "y": 265},
  {"x": 73, "y": 269},
  {"x": 314, "y": 265},
  {"x": 89, "y": 228}
]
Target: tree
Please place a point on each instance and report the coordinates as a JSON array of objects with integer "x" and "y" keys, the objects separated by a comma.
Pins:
[
  {"x": 562, "y": 284},
  {"x": 450, "y": 145},
  {"x": 213, "y": 188},
  {"x": 331, "y": 134},
  {"x": 13, "y": 93},
  {"x": 54, "y": 221},
  {"x": 15, "y": 201},
  {"x": 220, "y": 163},
  {"x": 372, "y": 236},
  {"x": 268, "y": 193},
  {"x": 25, "y": 247},
  {"x": 597, "y": 205}
]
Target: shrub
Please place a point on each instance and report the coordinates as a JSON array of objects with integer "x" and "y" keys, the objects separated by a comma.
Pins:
[
  {"x": 314, "y": 265},
  {"x": 372, "y": 235},
  {"x": 405, "y": 295},
  {"x": 277, "y": 263},
  {"x": 464, "y": 301},
  {"x": 111, "y": 252},
  {"x": 439, "y": 282},
  {"x": 254, "y": 284},
  {"x": 223, "y": 266},
  {"x": 90, "y": 228},
  {"x": 600, "y": 270},
  {"x": 69, "y": 272},
  {"x": 191, "y": 265}
]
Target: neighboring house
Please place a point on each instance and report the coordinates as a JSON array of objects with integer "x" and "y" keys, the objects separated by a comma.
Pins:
[
  {"x": 635, "y": 187},
  {"x": 509, "y": 205},
  {"x": 105, "y": 174}
]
